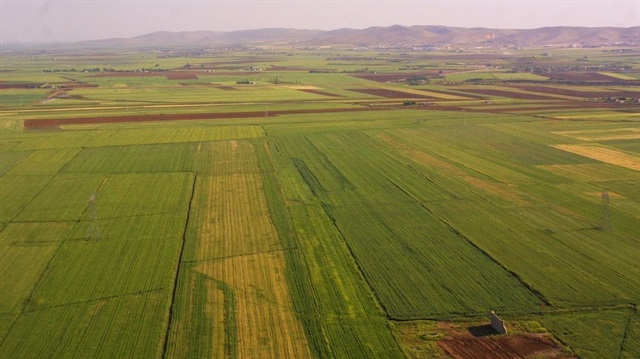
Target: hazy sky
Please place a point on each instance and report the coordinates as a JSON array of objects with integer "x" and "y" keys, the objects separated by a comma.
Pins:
[{"x": 73, "y": 20}]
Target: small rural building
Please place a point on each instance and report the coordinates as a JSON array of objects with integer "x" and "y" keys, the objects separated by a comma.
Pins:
[{"x": 497, "y": 324}]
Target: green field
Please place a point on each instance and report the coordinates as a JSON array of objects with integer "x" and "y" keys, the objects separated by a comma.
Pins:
[{"x": 313, "y": 215}]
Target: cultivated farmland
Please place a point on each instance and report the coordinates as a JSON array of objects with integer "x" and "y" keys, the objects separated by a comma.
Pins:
[{"x": 381, "y": 212}]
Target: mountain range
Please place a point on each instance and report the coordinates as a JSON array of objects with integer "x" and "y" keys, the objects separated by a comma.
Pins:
[{"x": 392, "y": 36}]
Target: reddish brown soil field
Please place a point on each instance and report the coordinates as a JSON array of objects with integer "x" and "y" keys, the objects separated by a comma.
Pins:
[
  {"x": 537, "y": 107},
  {"x": 574, "y": 93},
  {"x": 12, "y": 85},
  {"x": 181, "y": 75},
  {"x": 391, "y": 93},
  {"x": 482, "y": 342},
  {"x": 516, "y": 95},
  {"x": 77, "y": 85},
  {"x": 502, "y": 346},
  {"x": 54, "y": 123},
  {"x": 322, "y": 93},
  {"x": 286, "y": 68},
  {"x": 130, "y": 74},
  {"x": 388, "y": 77},
  {"x": 171, "y": 75}
]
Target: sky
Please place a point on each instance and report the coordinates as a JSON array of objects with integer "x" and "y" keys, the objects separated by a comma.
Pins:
[{"x": 33, "y": 21}]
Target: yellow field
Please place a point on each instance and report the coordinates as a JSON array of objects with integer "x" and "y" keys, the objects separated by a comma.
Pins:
[
  {"x": 238, "y": 221},
  {"x": 588, "y": 171},
  {"x": 631, "y": 133},
  {"x": 604, "y": 155},
  {"x": 241, "y": 258},
  {"x": 265, "y": 318},
  {"x": 618, "y": 76}
]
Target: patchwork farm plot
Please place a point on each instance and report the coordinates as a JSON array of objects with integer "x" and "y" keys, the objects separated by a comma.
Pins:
[{"x": 294, "y": 204}]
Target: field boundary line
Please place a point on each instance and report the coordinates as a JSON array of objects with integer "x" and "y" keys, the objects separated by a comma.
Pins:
[
  {"x": 452, "y": 228},
  {"x": 179, "y": 267},
  {"x": 37, "y": 282},
  {"x": 354, "y": 261},
  {"x": 45, "y": 186},
  {"x": 632, "y": 313},
  {"x": 532, "y": 290},
  {"x": 95, "y": 300},
  {"x": 520, "y": 313}
]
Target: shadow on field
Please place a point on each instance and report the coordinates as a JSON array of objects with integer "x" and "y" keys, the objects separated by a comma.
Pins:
[{"x": 482, "y": 330}]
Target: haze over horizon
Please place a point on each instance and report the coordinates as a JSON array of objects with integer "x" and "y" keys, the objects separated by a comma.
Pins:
[{"x": 75, "y": 20}]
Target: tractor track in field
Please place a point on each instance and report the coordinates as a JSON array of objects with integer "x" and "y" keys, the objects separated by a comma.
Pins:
[{"x": 165, "y": 345}]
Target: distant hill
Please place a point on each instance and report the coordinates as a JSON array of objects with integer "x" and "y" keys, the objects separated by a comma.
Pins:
[{"x": 393, "y": 36}]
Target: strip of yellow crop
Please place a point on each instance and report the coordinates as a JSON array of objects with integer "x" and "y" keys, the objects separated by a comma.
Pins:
[
  {"x": 603, "y": 155},
  {"x": 247, "y": 268},
  {"x": 603, "y": 135},
  {"x": 598, "y": 115},
  {"x": 266, "y": 323},
  {"x": 237, "y": 222},
  {"x": 618, "y": 76}
]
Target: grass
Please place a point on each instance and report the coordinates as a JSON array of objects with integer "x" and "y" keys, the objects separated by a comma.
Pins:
[
  {"x": 576, "y": 331},
  {"x": 307, "y": 234}
]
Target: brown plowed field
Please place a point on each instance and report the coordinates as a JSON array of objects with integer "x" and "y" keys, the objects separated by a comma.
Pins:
[
  {"x": 77, "y": 85},
  {"x": 502, "y": 347},
  {"x": 391, "y": 93},
  {"x": 13, "y": 85},
  {"x": 286, "y": 68},
  {"x": 574, "y": 93},
  {"x": 482, "y": 342},
  {"x": 53, "y": 123},
  {"x": 171, "y": 75},
  {"x": 567, "y": 106},
  {"x": 387, "y": 77},
  {"x": 181, "y": 75},
  {"x": 509, "y": 94}
]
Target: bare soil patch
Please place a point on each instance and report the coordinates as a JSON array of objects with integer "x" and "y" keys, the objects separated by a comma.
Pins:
[
  {"x": 502, "y": 346},
  {"x": 557, "y": 106},
  {"x": 77, "y": 85},
  {"x": 392, "y": 77},
  {"x": 509, "y": 94},
  {"x": 54, "y": 123},
  {"x": 130, "y": 74},
  {"x": 582, "y": 94},
  {"x": 482, "y": 342},
  {"x": 171, "y": 75},
  {"x": 286, "y": 68},
  {"x": 18, "y": 85},
  {"x": 181, "y": 75}
]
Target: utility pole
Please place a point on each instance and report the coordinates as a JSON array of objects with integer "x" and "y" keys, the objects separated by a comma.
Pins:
[
  {"x": 605, "y": 220},
  {"x": 93, "y": 230}
]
